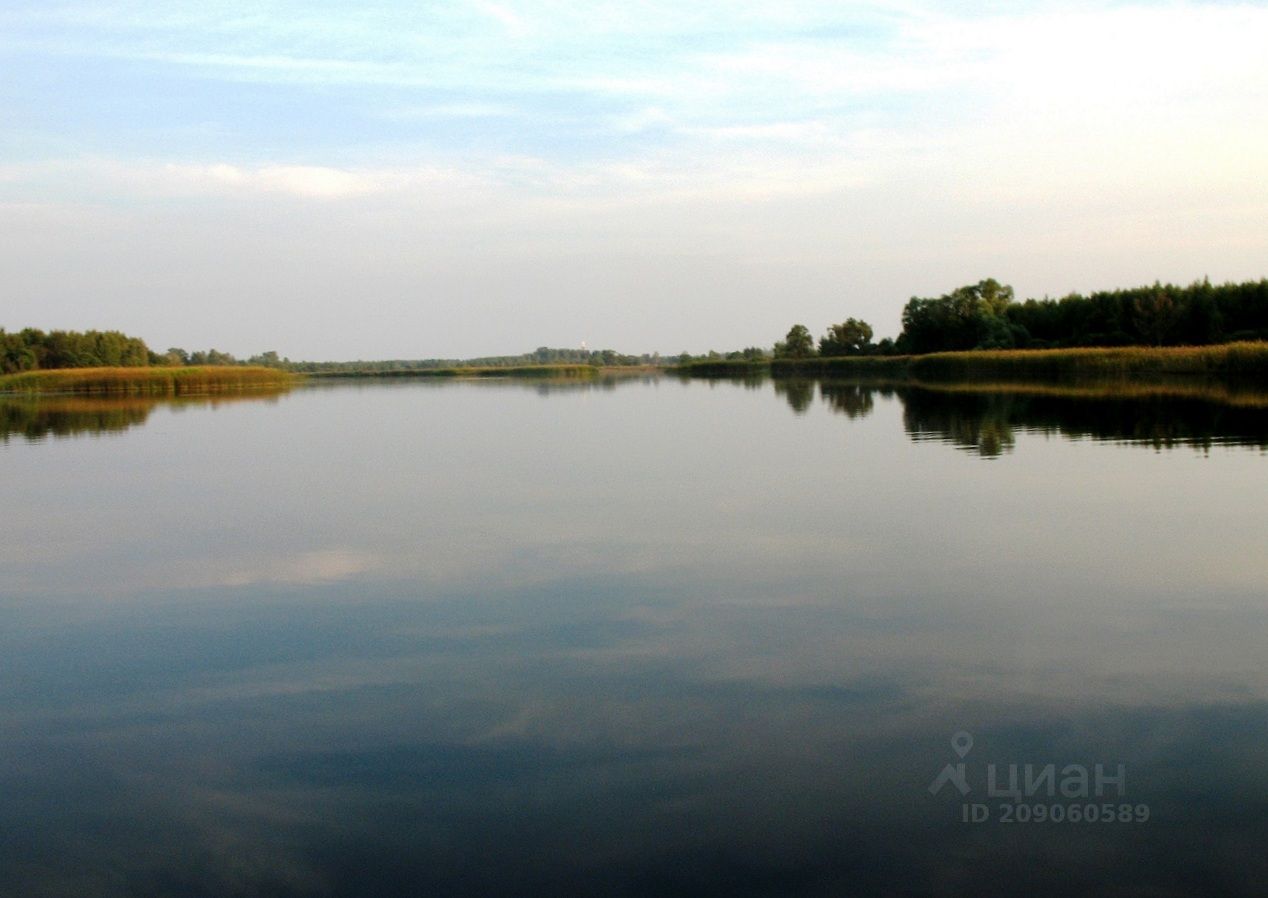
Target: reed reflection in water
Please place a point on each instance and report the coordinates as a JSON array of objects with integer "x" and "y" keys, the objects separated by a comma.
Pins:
[{"x": 37, "y": 418}]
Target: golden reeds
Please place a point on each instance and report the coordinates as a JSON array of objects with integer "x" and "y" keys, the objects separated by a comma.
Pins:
[{"x": 155, "y": 381}]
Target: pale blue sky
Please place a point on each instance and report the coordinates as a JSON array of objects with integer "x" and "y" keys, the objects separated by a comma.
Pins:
[{"x": 409, "y": 180}]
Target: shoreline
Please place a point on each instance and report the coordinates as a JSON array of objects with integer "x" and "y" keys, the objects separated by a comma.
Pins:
[
  {"x": 1246, "y": 360},
  {"x": 1236, "y": 363}
]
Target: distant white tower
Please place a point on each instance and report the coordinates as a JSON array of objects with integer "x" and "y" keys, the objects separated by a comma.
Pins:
[{"x": 583, "y": 346}]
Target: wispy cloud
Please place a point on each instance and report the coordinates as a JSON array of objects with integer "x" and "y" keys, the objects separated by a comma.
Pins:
[
  {"x": 740, "y": 65},
  {"x": 301, "y": 180},
  {"x": 451, "y": 111},
  {"x": 112, "y": 181}
]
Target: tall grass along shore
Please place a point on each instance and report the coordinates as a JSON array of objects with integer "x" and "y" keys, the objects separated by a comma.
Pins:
[
  {"x": 1242, "y": 361},
  {"x": 155, "y": 381}
]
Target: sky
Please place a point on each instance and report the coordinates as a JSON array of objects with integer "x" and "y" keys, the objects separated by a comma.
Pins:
[{"x": 454, "y": 179}]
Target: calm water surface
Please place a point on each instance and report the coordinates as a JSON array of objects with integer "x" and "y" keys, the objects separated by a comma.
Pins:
[{"x": 648, "y": 637}]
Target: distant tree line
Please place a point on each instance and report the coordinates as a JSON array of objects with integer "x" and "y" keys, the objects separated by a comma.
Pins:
[
  {"x": 177, "y": 356},
  {"x": 986, "y": 315},
  {"x": 32, "y": 349},
  {"x": 749, "y": 354},
  {"x": 543, "y": 355}
]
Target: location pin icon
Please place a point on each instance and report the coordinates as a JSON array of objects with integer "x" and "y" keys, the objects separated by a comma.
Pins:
[{"x": 962, "y": 743}]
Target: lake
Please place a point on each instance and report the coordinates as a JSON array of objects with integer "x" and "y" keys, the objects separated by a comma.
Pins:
[{"x": 637, "y": 636}]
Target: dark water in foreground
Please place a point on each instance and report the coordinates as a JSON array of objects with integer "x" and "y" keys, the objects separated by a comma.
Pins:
[{"x": 650, "y": 638}]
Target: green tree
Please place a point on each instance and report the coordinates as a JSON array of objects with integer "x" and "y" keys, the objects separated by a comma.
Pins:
[
  {"x": 798, "y": 344},
  {"x": 851, "y": 337},
  {"x": 269, "y": 359},
  {"x": 966, "y": 318},
  {"x": 1154, "y": 316}
]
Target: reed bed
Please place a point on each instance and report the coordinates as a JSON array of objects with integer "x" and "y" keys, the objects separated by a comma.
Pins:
[
  {"x": 141, "y": 381},
  {"x": 1241, "y": 361}
]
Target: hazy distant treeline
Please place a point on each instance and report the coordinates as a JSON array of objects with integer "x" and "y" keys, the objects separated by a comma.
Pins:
[
  {"x": 543, "y": 355},
  {"x": 34, "y": 350}
]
